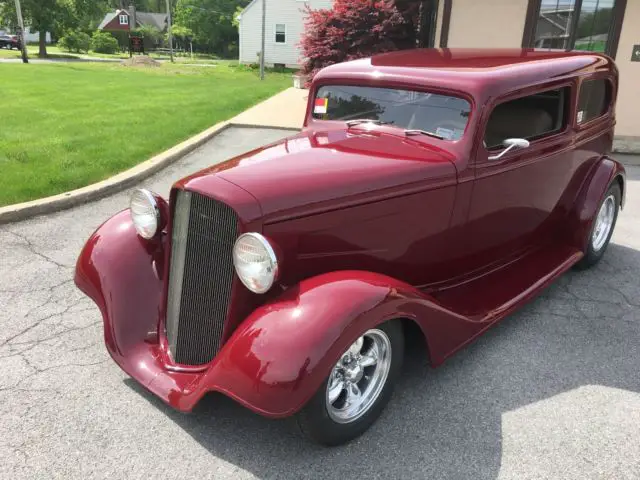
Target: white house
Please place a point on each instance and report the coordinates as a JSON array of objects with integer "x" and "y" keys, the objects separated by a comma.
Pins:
[{"x": 284, "y": 24}]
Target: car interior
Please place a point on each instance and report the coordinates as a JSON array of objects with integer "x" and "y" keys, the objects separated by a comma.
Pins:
[{"x": 529, "y": 117}]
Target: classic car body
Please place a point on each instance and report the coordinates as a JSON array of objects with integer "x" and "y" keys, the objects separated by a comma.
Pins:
[{"x": 369, "y": 222}]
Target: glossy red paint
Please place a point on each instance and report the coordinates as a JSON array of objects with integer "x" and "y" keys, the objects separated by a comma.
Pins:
[{"x": 369, "y": 226}]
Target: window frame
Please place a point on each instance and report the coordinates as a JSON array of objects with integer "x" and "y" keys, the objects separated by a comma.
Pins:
[
  {"x": 533, "y": 12},
  {"x": 123, "y": 16},
  {"x": 482, "y": 152},
  {"x": 607, "y": 113},
  {"x": 275, "y": 34}
]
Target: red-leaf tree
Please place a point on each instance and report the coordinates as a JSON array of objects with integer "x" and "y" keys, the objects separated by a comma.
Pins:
[{"x": 355, "y": 29}]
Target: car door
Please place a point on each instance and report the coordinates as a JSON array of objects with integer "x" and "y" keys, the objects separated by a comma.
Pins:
[{"x": 515, "y": 194}]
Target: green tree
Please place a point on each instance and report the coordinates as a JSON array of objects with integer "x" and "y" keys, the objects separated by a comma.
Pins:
[
  {"x": 54, "y": 16},
  {"x": 211, "y": 22},
  {"x": 151, "y": 35},
  {"x": 181, "y": 36}
]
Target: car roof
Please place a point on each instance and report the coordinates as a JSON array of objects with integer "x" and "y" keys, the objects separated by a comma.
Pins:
[{"x": 479, "y": 72}]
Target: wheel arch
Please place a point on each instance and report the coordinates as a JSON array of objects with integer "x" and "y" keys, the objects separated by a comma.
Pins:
[
  {"x": 602, "y": 175},
  {"x": 283, "y": 352}
]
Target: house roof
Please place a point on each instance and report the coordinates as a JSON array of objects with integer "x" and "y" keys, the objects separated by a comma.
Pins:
[
  {"x": 107, "y": 18},
  {"x": 158, "y": 20}
]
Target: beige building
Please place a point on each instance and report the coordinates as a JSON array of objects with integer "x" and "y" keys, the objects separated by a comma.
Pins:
[{"x": 609, "y": 26}]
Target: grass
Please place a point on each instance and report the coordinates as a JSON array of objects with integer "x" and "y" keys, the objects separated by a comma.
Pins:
[{"x": 65, "y": 126}]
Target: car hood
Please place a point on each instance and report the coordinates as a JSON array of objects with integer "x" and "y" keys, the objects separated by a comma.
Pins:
[{"x": 318, "y": 171}]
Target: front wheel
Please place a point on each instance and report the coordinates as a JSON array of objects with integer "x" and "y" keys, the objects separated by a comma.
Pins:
[
  {"x": 357, "y": 389},
  {"x": 602, "y": 229}
]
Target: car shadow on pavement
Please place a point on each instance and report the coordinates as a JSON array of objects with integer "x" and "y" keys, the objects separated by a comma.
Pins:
[{"x": 448, "y": 422}]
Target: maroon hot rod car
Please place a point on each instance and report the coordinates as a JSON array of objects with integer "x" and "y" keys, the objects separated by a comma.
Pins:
[{"x": 437, "y": 189}]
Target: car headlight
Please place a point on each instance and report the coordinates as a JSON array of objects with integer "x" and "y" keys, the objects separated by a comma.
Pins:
[
  {"x": 145, "y": 213},
  {"x": 255, "y": 261}
]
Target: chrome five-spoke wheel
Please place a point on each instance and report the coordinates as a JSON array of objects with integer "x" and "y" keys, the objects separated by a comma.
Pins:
[
  {"x": 603, "y": 223},
  {"x": 357, "y": 379},
  {"x": 357, "y": 387}
]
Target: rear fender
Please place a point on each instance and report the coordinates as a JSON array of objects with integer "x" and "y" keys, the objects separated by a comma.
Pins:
[
  {"x": 282, "y": 353},
  {"x": 602, "y": 175}
]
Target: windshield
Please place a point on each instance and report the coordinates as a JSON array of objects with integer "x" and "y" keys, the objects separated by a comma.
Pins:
[{"x": 442, "y": 115}]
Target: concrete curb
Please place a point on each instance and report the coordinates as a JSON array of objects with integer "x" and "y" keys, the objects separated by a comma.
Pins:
[{"x": 119, "y": 182}]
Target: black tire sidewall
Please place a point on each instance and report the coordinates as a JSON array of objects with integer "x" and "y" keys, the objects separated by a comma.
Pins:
[{"x": 314, "y": 420}]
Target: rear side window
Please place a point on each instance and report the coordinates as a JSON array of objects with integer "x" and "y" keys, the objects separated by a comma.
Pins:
[
  {"x": 530, "y": 117},
  {"x": 594, "y": 100}
]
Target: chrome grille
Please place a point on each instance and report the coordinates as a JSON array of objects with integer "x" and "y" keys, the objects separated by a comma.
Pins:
[{"x": 200, "y": 276}]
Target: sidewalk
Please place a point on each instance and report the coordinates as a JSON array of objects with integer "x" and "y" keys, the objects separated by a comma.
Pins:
[{"x": 284, "y": 110}]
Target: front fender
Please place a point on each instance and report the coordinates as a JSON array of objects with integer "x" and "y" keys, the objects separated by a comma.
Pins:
[
  {"x": 282, "y": 353},
  {"x": 602, "y": 174},
  {"x": 122, "y": 274}
]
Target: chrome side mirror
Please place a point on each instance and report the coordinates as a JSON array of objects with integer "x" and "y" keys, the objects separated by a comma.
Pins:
[{"x": 511, "y": 144}]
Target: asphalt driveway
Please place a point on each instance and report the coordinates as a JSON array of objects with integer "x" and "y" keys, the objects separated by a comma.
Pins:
[{"x": 552, "y": 392}]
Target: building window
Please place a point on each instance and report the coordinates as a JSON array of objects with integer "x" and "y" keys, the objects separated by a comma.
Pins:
[
  {"x": 594, "y": 100},
  {"x": 575, "y": 24},
  {"x": 281, "y": 33},
  {"x": 124, "y": 20}
]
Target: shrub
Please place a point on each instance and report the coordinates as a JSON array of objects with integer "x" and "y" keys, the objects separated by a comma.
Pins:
[
  {"x": 355, "y": 29},
  {"x": 75, "y": 42},
  {"x": 151, "y": 36},
  {"x": 103, "y": 42}
]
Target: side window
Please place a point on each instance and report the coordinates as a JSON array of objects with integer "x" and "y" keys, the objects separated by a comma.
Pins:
[
  {"x": 594, "y": 100},
  {"x": 531, "y": 117}
]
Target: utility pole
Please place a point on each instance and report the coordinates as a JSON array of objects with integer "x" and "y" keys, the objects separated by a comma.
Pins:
[
  {"x": 169, "y": 30},
  {"x": 264, "y": 14},
  {"x": 23, "y": 45}
]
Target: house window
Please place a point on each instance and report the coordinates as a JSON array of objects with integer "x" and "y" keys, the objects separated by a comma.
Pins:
[
  {"x": 576, "y": 25},
  {"x": 124, "y": 20},
  {"x": 281, "y": 33},
  {"x": 594, "y": 100},
  {"x": 531, "y": 117}
]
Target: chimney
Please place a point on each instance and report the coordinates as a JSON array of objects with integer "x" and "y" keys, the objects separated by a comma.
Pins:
[{"x": 132, "y": 17}]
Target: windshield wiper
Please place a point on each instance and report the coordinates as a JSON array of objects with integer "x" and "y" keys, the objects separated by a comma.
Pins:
[
  {"x": 358, "y": 121},
  {"x": 423, "y": 132}
]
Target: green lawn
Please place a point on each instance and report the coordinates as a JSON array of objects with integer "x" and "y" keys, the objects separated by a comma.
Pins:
[
  {"x": 54, "y": 51},
  {"x": 64, "y": 126}
]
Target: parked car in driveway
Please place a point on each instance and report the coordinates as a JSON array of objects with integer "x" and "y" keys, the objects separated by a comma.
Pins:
[
  {"x": 10, "y": 42},
  {"x": 431, "y": 191}
]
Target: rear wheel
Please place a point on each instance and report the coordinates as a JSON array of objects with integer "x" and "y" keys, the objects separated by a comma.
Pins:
[
  {"x": 602, "y": 228},
  {"x": 357, "y": 389}
]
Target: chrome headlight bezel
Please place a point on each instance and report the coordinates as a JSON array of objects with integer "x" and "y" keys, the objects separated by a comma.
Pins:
[
  {"x": 269, "y": 271},
  {"x": 149, "y": 228}
]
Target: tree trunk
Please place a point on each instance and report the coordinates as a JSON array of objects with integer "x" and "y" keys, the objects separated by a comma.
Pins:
[{"x": 42, "y": 51}]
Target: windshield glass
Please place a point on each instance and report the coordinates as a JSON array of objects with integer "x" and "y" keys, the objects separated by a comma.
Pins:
[{"x": 442, "y": 115}]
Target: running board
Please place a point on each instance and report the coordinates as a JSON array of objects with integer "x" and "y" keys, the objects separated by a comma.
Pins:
[{"x": 491, "y": 297}]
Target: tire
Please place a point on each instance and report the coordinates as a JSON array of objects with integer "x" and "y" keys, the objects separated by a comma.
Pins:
[
  {"x": 598, "y": 240},
  {"x": 333, "y": 423}
]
